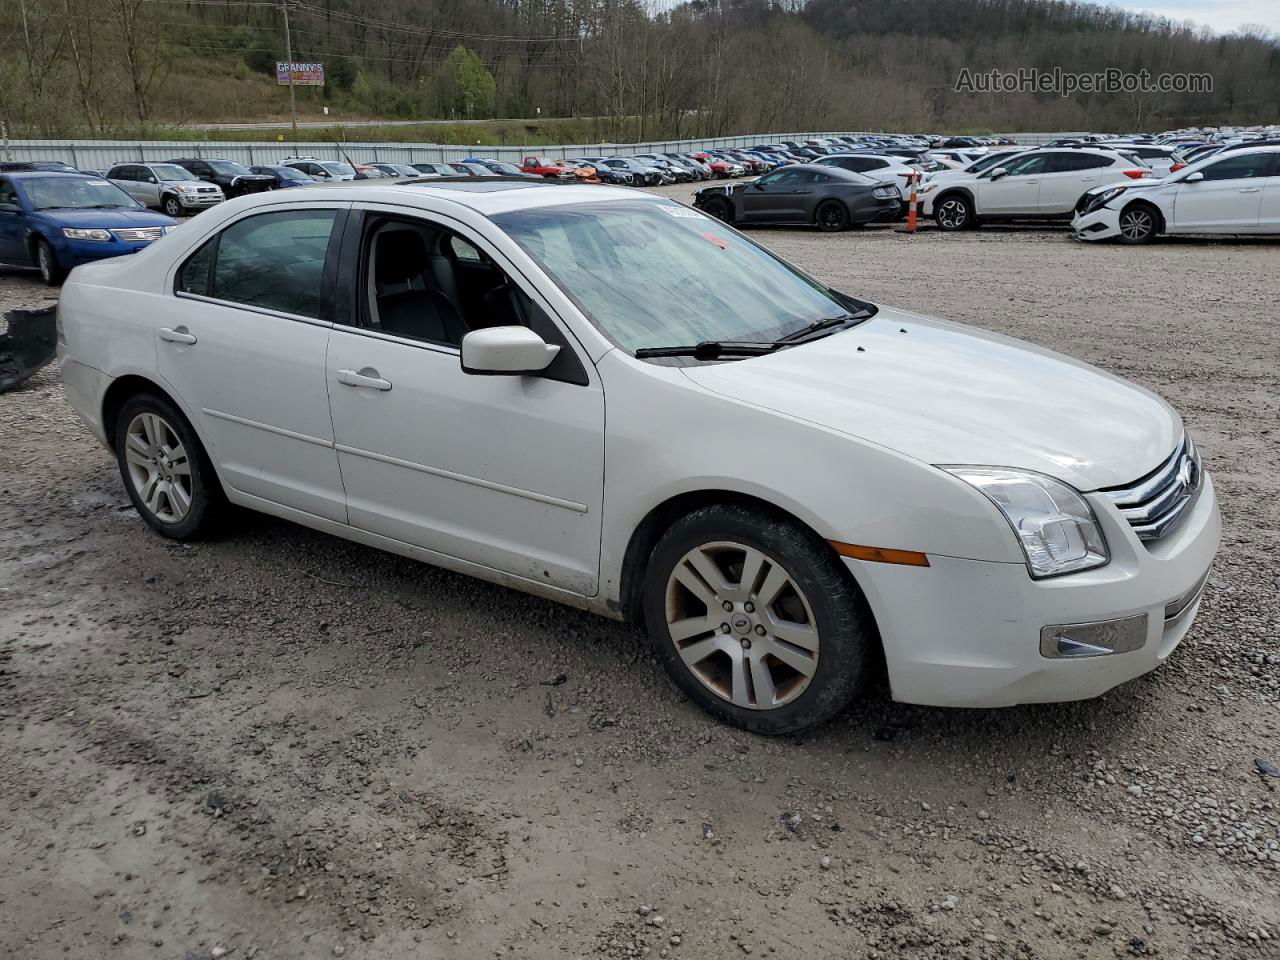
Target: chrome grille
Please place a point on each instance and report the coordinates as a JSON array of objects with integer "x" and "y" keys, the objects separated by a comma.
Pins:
[
  {"x": 139, "y": 233},
  {"x": 1157, "y": 503}
]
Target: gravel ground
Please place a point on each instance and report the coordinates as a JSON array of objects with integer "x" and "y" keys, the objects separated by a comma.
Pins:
[{"x": 281, "y": 745}]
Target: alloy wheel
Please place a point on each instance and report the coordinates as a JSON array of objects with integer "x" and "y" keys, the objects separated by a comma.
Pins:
[
  {"x": 1136, "y": 224},
  {"x": 952, "y": 214},
  {"x": 159, "y": 467},
  {"x": 48, "y": 267},
  {"x": 742, "y": 625}
]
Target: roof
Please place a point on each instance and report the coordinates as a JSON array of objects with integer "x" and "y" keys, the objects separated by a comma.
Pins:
[
  {"x": 487, "y": 196},
  {"x": 39, "y": 174}
]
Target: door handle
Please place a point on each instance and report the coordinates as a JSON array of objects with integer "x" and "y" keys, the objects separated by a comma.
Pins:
[
  {"x": 177, "y": 335},
  {"x": 1250, "y": 189},
  {"x": 1088, "y": 179},
  {"x": 1030, "y": 182},
  {"x": 364, "y": 377}
]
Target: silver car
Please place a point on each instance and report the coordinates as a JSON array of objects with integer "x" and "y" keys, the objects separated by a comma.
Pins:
[{"x": 165, "y": 186}]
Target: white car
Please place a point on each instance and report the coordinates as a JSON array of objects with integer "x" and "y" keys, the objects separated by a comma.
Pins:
[
  {"x": 1041, "y": 184},
  {"x": 324, "y": 170},
  {"x": 878, "y": 167},
  {"x": 790, "y": 487},
  {"x": 165, "y": 186},
  {"x": 1236, "y": 192}
]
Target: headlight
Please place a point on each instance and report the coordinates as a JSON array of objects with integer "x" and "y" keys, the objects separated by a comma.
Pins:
[
  {"x": 928, "y": 188},
  {"x": 1054, "y": 524},
  {"x": 185, "y": 188},
  {"x": 1102, "y": 199},
  {"x": 77, "y": 233}
]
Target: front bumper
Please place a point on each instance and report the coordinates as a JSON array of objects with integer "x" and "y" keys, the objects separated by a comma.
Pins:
[
  {"x": 72, "y": 253},
  {"x": 968, "y": 633},
  {"x": 1101, "y": 224},
  {"x": 199, "y": 201}
]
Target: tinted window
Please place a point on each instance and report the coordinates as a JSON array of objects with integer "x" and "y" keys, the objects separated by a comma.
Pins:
[
  {"x": 1027, "y": 165},
  {"x": 1239, "y": 167},
  {"x": 121, "y": 173},
  {"x": 193, "y": 276},
  {"x": 274, "y": 260},
  {"x": 1068, "y": 162},
  {"x": 7, "y": 194}
]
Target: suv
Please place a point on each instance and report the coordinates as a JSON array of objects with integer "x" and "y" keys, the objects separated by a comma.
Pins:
[
  {"x": 165, "y": 186},
  {"x": 234, "y": 179},
  {"x": 321, "y": 169},
  {"x": 1037, "y": 185}
]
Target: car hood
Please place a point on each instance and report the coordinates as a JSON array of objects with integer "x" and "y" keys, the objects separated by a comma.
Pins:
[
  {"x": 945, "y": 393},
  {"x": 108, "y": 219}
]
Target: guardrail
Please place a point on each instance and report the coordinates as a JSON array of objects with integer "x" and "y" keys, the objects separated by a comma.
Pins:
[{"x": 100, "y": 154}]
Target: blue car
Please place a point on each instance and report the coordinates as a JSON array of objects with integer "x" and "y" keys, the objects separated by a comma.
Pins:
[
  {"x": 284, "y": 176},
  {"x": 56, "y": 221}
]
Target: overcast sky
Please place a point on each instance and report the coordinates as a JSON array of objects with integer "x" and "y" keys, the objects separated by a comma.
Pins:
[{"x": 1220, "y": 15}]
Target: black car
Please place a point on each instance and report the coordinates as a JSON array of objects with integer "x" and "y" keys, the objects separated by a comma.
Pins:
[
  {"x": 235, "y": 179},
  {"x": 283, "y": 176},
  {"x": 604, "y": 172},
  {"x": 828, "y": 197},
  {"x": 437, "y": 170}
]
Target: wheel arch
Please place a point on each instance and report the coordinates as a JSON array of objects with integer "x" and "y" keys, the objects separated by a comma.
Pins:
[
  {"x": 647, "y": 533},
  {"x": 1150, "y": 205},
  {"x": 953, "y": 191}
]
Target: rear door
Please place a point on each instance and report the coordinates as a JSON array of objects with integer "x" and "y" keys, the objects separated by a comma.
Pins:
[
  {"x": 1227, "y": 200},
  {"x": 1067, "y": 177},
  {"x": 243, "y": 345},
  {"x": 146, "y": 185},
  {"x": 12, "y": 249},
  {"x": 1269, "y": 214}
]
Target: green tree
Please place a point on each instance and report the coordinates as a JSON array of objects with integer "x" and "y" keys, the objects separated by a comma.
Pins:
[{"x": 469, "y": 87}]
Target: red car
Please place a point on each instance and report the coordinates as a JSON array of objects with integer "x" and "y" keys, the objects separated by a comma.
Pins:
[
  {"x": 719, "y": 167},
  {"x": 551, "y": 169}
]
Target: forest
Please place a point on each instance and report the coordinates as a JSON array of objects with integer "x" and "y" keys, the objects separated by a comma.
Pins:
[{"x": 628, "y": 69}]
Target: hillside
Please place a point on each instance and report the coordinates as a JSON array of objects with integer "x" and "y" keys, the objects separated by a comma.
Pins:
[{"x": 138, "y": 67}]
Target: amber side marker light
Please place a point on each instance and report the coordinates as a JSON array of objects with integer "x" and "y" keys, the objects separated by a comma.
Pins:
[{"x": 910, "y": 558}]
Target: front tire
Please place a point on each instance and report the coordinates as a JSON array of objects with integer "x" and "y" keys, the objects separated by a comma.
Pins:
[
  {"x": 756, "y": 620},
  {"x": 954, "y": 213},
  {"x": 1138, "y": 223},
  {"x": 172, "y": 207},
  {"x": 165, "y": 469},
  {"x": 832, "y": 217},
  {"x": 51, "y": 272},
  {"x": 720, "y": 209}
]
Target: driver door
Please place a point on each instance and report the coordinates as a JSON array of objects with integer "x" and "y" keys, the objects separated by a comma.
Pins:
[
  {"x": 12, "y": 249},
  {"x": 1017, "y": 192},
  {"x": 773, "y": 198}
]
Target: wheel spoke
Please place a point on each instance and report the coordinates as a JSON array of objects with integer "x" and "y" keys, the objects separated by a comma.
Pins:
[
  {"x": 153, "y": 429},
  {"x": 136, "y": 442},
  {"x": 706, "y": 568},
  {"x": 690, "y": 627},
  {"x": 155, "y": 495},
  {"x": 794, "y": 659},
  {"x": 685, "y": 576},
  {"x": 773, "y": 585},
  {"x": 698, "y": 651},
  {"x": 741, "y": 694},
  {"x": 752, "y": 563},
  {"x": 762, "y": 681},
  {"x": 800, "y": 634},
  {"x": 137, "y": 457},
  {"x": 179, "y": 499}
]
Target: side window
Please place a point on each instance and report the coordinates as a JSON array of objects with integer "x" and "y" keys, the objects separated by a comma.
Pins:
[
  {"x": 1071, "y": 162},
  {"x": 1028, "y": 165},
  {"x": 462, "y": 250},
  {"x": 274, "y": 261},
  {"x": 1239, "y": 167},
  {"x": 8, "y": 196},
  {"x": 193, "y": 276},
  {"x": 122, "y": 173}
]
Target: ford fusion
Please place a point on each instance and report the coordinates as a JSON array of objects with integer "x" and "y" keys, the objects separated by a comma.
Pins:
[{"x": 618, "y": 402}]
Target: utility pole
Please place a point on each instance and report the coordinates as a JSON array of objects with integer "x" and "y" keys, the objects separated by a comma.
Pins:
[{"x": 288, "y": 55}]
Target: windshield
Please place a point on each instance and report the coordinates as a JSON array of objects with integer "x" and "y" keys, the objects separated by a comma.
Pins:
[
  {"x": 171, "y": 171},
  {"x": 339, "y": 169},
  {"x": 658, "y": 274},
  {"x": 229, "y": 168},
  {"x": 76, "y": 193}
]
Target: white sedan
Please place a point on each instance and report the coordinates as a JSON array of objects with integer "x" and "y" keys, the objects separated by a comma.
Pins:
[
  {"x": 612, "y": 400},
  {"x": 1233, "y": 192}
]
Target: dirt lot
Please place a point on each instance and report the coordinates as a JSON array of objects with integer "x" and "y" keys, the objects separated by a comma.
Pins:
[{"x": 281, "y": 745}]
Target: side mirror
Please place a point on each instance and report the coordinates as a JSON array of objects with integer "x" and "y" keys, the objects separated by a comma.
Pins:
[
  {"x": 10, "y": 208},
  {"x": 1194, "y": 177},
  {"x": 512, "y": 351},
  {"x": 152, "y": 180},
  {"x": 998, "y": 172}
]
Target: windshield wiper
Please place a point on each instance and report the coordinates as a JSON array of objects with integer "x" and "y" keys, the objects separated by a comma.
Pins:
[
  {"x": 711, "y": 350},
  {"x": 818, "y": 326}
]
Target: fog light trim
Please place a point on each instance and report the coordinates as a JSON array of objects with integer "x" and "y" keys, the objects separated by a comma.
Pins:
[{"x": 1099, "y": 638}]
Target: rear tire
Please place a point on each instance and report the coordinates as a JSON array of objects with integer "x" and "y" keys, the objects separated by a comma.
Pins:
[
  {"x": 51, "y": 272},
  {"x": 1139, "y": 223},
  {"x": 954, "y": 212},
  {"x": 165, "y": 469},
  {"x": 793, "y": 646},
  {"x": 832, "y": 217}
]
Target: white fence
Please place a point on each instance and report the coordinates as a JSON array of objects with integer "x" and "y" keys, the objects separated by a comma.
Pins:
[{"x": 100, "y": 154}]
